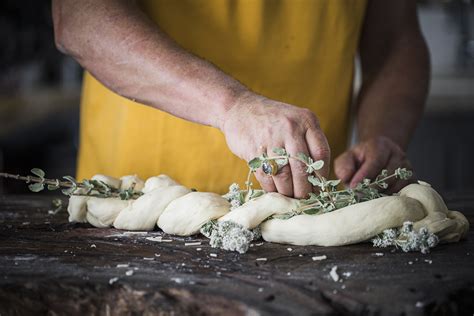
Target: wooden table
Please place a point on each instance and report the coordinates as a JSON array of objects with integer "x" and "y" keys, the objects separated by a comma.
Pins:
[{"x": 50, "y": 266}]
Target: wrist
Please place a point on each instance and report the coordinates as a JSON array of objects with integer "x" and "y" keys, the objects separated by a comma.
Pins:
[
  {"x": 384, "y": 141},
  {"x": 384, "y": 138},
  {"x": 236, "y": 100}
]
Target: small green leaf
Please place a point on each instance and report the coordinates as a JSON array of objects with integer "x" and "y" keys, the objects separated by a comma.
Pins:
[
  {"x": 68, "y": 191},
  {"x": 256, "y": 194},
  {"x": 38, "y": 172},
  {"x": 314, "y": 181},
  {"x": 52, "y": 187},
  {"x": 333, "y": 183},
  {"x": 88, "y": 184},
  {"x": 255, "y": 163},
  {"x": 36, "y": 187},
  {"x": 303, "y": 157},
  {"x": 70, "y": 179},
  {"x": 279, "y": 151},
  {"x": 311, "y": 211},
  {"x": 281, "y": 162},
  {"x": 317, "y": 165},
  {"x": 284, "y": 216}
]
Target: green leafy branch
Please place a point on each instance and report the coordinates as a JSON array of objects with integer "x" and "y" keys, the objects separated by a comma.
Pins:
[
  {"x": 70, "y": 186},
  {"x": 328, "y": 198}
]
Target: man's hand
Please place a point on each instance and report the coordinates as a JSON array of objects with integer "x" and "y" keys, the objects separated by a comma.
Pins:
[
  {"x": 368, "y": 158},
  {"x": 255, "y": 125},
  {"x": 395, "y": 72}
]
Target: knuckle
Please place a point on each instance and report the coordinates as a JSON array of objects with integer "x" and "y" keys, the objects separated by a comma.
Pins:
[
  {"x": 290, "y": 124},
  {"x": 298, "y": 168},
  {"x": 379, "y": 142},
  {"x": 309, "y": 118},
  {"x": 283, "y": 174},
  {"x": 339, "y": 160},
  {"x": 322, "y": 152}
]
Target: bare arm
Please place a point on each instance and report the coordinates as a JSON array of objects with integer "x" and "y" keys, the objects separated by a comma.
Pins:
[
  {"x": 395, "y": 70},
  {"x": 128, "y": 53}
]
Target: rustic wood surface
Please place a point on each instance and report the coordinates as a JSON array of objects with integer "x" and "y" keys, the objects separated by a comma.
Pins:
[{"x": 50, "y": 266}]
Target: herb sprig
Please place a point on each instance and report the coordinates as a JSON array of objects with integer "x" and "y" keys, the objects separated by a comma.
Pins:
[
  {"x": 329, "y": 197},
  {"x": 70, "y": 186}
]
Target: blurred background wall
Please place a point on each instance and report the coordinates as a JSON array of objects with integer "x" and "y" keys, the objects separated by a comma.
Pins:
[{"x": 40, "y": 90}]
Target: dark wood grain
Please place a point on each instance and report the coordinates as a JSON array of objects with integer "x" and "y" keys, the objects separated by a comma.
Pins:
[{"x": 50, "y": 266}]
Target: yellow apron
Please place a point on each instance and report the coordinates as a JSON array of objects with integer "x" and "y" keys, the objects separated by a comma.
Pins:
[{"x": 295, "y": 51}]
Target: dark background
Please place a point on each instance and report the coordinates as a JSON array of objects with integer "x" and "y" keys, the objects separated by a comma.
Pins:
[{"x": 40, "y": 95}]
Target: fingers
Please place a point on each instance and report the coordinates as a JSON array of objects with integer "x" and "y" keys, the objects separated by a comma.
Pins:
[
  {"x": 373, "y": 163},
  {"x": 345, "y": 166},
  {"x": 283, "y": 179},
  {"x": 301, "y": 185},
  {"x": 397, "y": 184},
  {"x": 265, "y": 181},
  {"x": 318, "y": 148}
]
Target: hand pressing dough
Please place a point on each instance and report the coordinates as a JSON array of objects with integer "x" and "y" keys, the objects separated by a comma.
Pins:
[
  {"x": 348, "y": 225},
  {"x": 145, "y": 211},
  {"x": 255, "y": 211},
  {"x": 186, "y": 215},
  {"x": 158, "y": 182},
  {"x": 102, "y": 212}
]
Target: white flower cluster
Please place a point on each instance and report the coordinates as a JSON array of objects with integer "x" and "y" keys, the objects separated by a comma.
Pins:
[
  {"x": 229, "y": 235},
  {"x": 407, "y": 239},
  {"x": 234, "y": 196}
]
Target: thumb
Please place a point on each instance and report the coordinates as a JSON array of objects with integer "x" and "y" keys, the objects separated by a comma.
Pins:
[{"x": 345, "y": 166}]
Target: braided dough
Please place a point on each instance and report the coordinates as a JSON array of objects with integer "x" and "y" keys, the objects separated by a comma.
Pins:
[{"x": 179, "y": 211}]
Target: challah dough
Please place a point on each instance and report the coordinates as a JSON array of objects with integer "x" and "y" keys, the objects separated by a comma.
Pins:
[
  {"x": 348, "y": 225},
  {"x": 143, "y": 213},
  {"x": 177, "y": 210},
  {"x": 254, "y": 212},
  {"x": 186, "y": 215}
]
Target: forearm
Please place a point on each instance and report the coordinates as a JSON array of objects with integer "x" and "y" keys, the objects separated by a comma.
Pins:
[
  {"x": 129, "y": 54},
  {"x": 395, "y": 70},
  {"x": 391, "y": 103}
]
